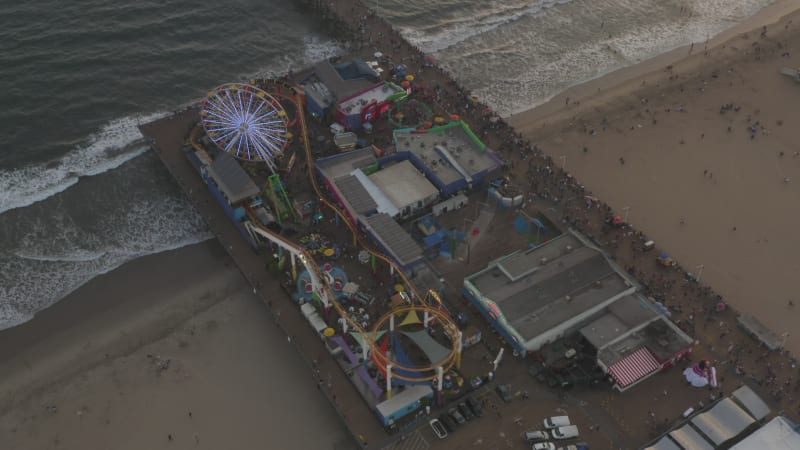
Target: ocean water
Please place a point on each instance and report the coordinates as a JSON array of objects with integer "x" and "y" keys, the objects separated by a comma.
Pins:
[
  {"x": 79, "y": 192},
  {"x": 515, "y": 54}
]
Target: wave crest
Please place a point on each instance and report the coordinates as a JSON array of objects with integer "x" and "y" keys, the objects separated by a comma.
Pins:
[{"x": 116, "y": 143}]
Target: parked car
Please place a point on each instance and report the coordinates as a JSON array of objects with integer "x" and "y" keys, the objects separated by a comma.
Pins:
[
  {"x": 567, "y": 432},
  {"x": 536, "y": 436},
  {"x": 578, "y": 446},
  {"x": 448, "y": 422},
  {"x": 504, "y": 391},
  {"x": 475, "y": 406},
  {"x": 464, "y": 410},
  {"x": 556, "y": 421},
  {"x": 438, "y": 428},
  {"x": 585, "y": 373},
  {"x": 456, "y": 416},
  {"x": 544, "y": 446},
  {"x": 557, "y": 380},
  {"x": 537, "y": 370}
]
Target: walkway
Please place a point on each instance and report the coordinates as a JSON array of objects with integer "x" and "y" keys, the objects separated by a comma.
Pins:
[{"x": 167, "y": 137}]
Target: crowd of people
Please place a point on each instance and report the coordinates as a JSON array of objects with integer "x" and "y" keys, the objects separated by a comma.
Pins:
[{"x": 551, "y": 188}]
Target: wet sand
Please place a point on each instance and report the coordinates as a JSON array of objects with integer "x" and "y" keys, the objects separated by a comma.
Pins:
[
  {"x": 123, "y": 361},
  {"x": 702, "y": 156}
]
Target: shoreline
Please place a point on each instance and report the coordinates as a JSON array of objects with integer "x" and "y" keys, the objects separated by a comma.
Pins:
[
  {"x": 87, "y": 318},
  {"x": 140, "y": 357},
  {"x": 740, "y": 69},
  {"x": 592, "y": 92}
]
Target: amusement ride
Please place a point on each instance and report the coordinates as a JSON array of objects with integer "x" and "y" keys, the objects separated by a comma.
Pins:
[
  {"x": 246, "y": 122},
  {"x": 252, "y": 124}
]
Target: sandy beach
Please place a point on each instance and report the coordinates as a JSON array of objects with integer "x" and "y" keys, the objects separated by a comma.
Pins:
[
  {"x": 697, "y": 148},
  {"x": 169, "y": 345}
]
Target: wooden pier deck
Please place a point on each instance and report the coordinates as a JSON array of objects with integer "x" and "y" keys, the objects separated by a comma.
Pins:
[{"x": 167, "y": 137}]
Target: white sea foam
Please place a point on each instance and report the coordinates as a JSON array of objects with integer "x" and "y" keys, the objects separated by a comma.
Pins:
[
  {"x": 110, "y": 147},
  {"x": 456, "y": 31},
  {"x": 56, "y": 256},
  {"x": 78, "y": 255},
  {"x": 314, "y": 50},
  {"x": 515, "y": 62}
]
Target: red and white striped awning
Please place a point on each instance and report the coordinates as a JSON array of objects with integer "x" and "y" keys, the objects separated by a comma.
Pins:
[{"x": 633, "y": 368}]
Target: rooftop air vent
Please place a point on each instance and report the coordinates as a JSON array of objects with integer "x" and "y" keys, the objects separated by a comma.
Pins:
[
  {"x": 543, "y": 261},
  {"x": 568, "y": 248}
]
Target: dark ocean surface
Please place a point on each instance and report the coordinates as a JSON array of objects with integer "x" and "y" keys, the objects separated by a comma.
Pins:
[{"x": 79, "y": 192}]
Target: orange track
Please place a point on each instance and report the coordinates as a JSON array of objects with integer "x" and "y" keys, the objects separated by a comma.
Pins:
[{"x": 435, "y": 310}]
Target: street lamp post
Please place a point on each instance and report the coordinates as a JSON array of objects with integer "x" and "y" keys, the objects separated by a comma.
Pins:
[
  {"x": 563, "y": 159},
  {"x": 699, "y": 271},
  {"x": 627, "y": 210}
]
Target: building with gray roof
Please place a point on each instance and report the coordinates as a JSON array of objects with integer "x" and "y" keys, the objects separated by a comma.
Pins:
[
  {"x": 450, "y": 155},
  {"x": 231, "y": 179},
  {"x": 568, "y": 285},
  {"x": 535, "y": 296},
  {"x": 369, "y": 196},
  {"x": 394, "y": 240}
]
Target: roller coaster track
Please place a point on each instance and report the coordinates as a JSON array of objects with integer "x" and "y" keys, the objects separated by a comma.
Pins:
[
  {"x": 326, "y": 294},
  {"x": 450, "y": 327}
]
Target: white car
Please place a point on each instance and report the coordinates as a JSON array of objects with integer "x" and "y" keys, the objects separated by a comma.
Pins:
[
  {"x": 536, "y": 436},
  {"x": 544, "y": 446},
  {"x": 438, "y": 429},
  {"x": 567, "y": 432},
  {"x": 578, "y": 446},
  {"x": 556, "y": 421}
]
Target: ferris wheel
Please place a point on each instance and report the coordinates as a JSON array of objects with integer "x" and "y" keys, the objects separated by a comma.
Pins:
[{"x": 246, "y": 122}]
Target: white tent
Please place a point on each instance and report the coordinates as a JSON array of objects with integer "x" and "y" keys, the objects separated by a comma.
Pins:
[{"x": 778, "y": 434}]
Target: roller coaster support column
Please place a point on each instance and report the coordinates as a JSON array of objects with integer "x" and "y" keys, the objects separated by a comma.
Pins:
[
  {"x": 425, "y": 319},
  {"x": 388, "y": 381},
  {"x": 459, "y": 347},
  {"x": 440, "y": 385},
  {"x": 294, "y": 268}
]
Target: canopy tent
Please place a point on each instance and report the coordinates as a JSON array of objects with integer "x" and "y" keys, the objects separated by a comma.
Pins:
[
  {"x": 688, "y": 438},
  {"x": 433, "y": 350},
  {"x": 725, "y": 421},
  {"x": 402, "y": 357},
  {"x": 664, "y": 443},
  {"x": 411, "y": 319},
  {"x": 398, "y": 354},
  {"x": 751, "y": 402},
  {"x": 359, "y": 338},
  {"x": 778, "y": 434},
  {"x": 633, "y": 368}
]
